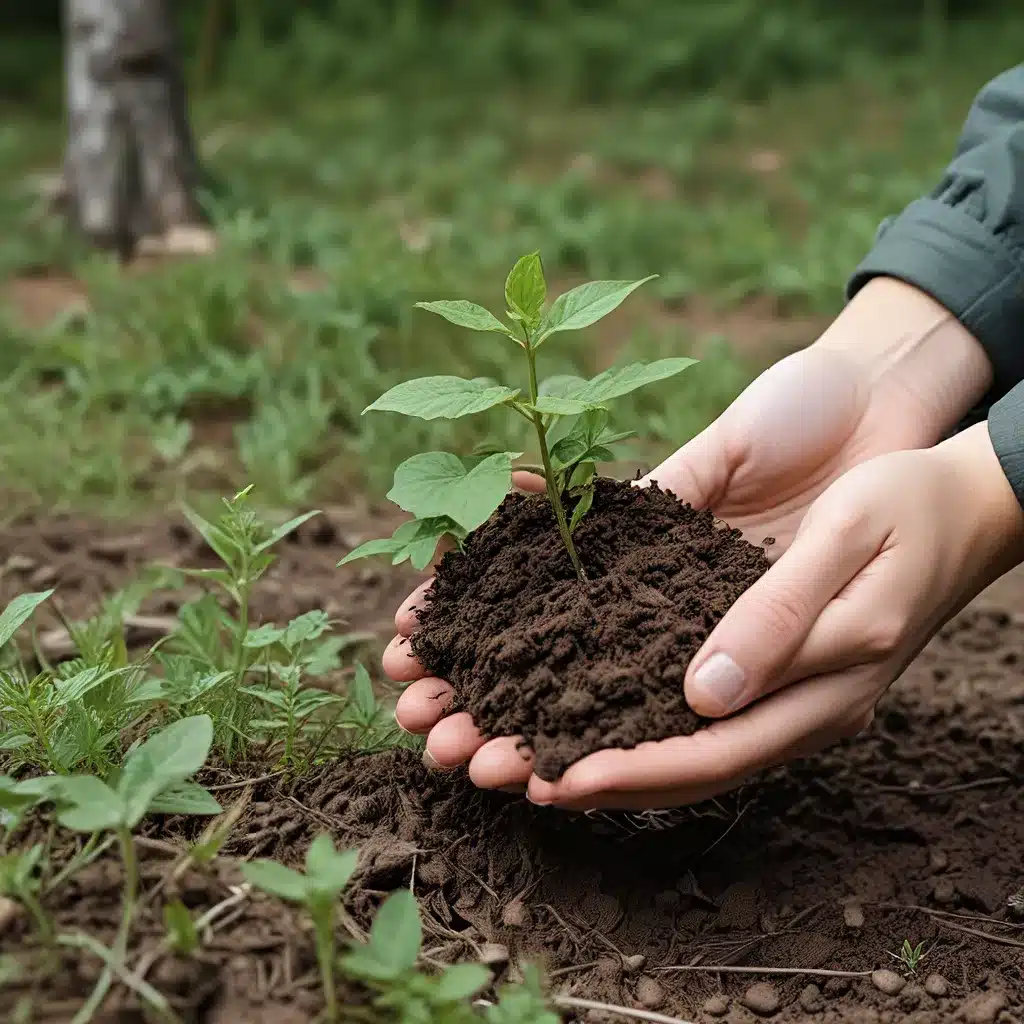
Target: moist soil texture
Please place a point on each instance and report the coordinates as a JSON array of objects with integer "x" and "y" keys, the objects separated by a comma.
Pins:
[
  {"x": 577, "y": 667},
  {"x": 781, "y": 901}
]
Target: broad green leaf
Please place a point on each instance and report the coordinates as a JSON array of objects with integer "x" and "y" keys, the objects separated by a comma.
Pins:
[
  {"x": 276, "y": 879},
  {"x": 396, "y": 932},
  {"x": 263, "y": 636},
  {"x": 168, "y": 757},
  {"x": 148, "y": 690},
  {"x": 85, "y": 804},
  {"x": 184, "y": 798},
  {"x": 18, "y": 612},
  {"x": 432, "y": 398},
  {"x": 583, "y": 436},
  {"x": 223, "y": 546},
  {"x": 621, "y": 380},
  {"x": 421, "y": 551},
  {"x": 526, "y": 290},
  {"x": 275, "y": 697},
  {"x": 555, "y": 405},
  {"x": 582, "y": 474},
  {"x": 438, "y": 484},
  {"x": 462, "y": 981},
  {"x": 360, "y": 693},
  {"x": 283, "y": 530},
  {"x": 308, "y": 626},
  {"x": 581, "y": 509},
  {"x": 327, "y": 870},
  {"x": 466, "y": 314},
  {"x": 15, "y": 740},
  {"x": 585, "y": 305},
  {"x": 384, "y": 546},
  {"x": 362, "y": 963}
]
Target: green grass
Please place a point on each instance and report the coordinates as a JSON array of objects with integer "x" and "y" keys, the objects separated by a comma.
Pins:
[{"x": 339, "y": 209}]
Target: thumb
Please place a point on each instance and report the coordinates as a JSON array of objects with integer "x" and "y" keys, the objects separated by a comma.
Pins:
[
  {"x": 698, "y": 473},
  {"x": 748, "y": 652}
]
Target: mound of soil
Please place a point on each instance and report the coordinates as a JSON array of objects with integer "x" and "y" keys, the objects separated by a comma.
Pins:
[{"x": 577, "y": 667}]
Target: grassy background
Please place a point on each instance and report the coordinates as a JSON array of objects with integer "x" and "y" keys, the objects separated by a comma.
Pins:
[{"x": 361, "y": 160}]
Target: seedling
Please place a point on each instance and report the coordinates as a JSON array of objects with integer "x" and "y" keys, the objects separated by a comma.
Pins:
[
  {"x": 909, "y": 956},
  {"x": 181, "y": 930},
  {"x": 19, "y": 880},
  {"x": 453, "y": 496},
  {"x": 327, "y": 874}
]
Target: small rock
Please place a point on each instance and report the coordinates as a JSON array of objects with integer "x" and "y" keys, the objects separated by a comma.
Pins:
[
  {"x": 762, "y": 998},
  {"x": 888, "y": 982},
  {"x": 853, "y": 916},
  {"x": 20, "y": 563},
  {"x": 649, "y": 993},
  {"x": 837, "y": 987},
  {"x": 938, "y": 860},
  {"x": 944, "y": 891},
  {"x": 633, "y": 964},
  {"x": 716, "y": 1006},
  {"x": 515, "y": 915},
  {"x": 936, "y": 986},
  {"x": 493, "y": 953},
  {"x": 983, "y": 1008},
  {"x": 43, "y": 576},
  {"x": 810, "y": 1000}
]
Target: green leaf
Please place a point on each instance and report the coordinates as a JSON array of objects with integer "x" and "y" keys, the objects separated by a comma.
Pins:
[
  {"x": 581, "y": 509},
  {"x": 585, "y": 305},
  {"x": 554, "y": 405},
  {"x": 180, "y": 928},
  {"x": 526, "y": 289},
  {"x": 283, "y": 530},
  {"x": 360, "y": 693},
  {"x": 396, "y": 932},
  {"x": 384, "y": 546},
  {"x": 438, "y": 484},
  {"x": 85, "y": 804},
  {"x": 461, "y": 981},
  {"x": 166, "y": 758},
  {"x": 263, "y": 636},
  {"x": 328, "y": 870},
  {"x": 276, "y": 879},
  {"x": 184, "y": 798},
  {"x": 18, "y": 612},
  {"x": 432, "y": 398},
  {"x": 224, "y": 547},
  {"x": 362, "y": 963},
  {"x": 67, "y": 691},
  {"x": 583, "y": 436},
  {"x": 621, "y": 380},
  {"x": 275, "y": 697},
  {"x": 308, "y": 626},
  {"x": 466, "y": 314}
]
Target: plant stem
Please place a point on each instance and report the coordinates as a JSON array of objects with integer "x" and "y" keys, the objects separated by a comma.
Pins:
[
  {"x": 129, "y": 899},
  {"x": 549, "y": 477},
  {"x": 324, "y": 925}
]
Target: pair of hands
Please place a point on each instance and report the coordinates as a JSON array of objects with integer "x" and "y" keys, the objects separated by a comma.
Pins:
[{"x": 879, "y": 538}]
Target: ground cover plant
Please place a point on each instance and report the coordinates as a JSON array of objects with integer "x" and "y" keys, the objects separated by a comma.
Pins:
[{"x": 584, "y": 645}]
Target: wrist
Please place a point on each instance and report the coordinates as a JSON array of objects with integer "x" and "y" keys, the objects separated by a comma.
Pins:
[{"x": 902, "y": 340}]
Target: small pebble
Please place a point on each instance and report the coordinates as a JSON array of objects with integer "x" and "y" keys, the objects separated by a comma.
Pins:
[
  {"x": 837, "y": 987},
  {"x": 493, "y": 953},
  {"x": 810, "y": 1000},
  {"x": 716, "y": 1006},
  {"x": 888, "y": 982},
  {"x": 939, "y": 860},
  {"x": 944, "y": 891},
  {"x": 20, "y": 563},
  {"x": 762, "y": 998},
  {"x": 515, "y": 915},
  {"x": 983, "y": 1008},
  {"x": 649, "y": 993},
  {"x": 633, "y": 964},
  {"x": 936, "y": 986},
  {"x": 853, "y": 916}
]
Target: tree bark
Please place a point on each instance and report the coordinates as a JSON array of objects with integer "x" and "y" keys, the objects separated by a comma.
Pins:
[{"x": 130, "y": 167}]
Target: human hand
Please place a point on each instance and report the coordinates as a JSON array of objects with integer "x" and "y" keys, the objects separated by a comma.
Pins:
[{"x": 760, "y": 466}]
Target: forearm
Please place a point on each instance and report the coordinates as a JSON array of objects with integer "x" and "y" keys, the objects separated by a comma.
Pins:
[{"x": 907, "y": 341}]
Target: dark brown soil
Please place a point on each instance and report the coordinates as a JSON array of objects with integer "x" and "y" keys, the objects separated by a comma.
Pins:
[
  {"x": 912, "y": 831},
  {"x": 577, "y": 667}
]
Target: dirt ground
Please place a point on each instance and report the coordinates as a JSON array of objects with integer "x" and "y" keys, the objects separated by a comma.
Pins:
[{"x": 776, "y": 903}]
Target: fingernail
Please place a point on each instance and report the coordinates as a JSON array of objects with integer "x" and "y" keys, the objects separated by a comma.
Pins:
[
  {"x": 399, "y": 724},
  {"x": 721, "y": 679},
  {"x": 538, "y": 803},
  {"x": 433, "y": 764}
]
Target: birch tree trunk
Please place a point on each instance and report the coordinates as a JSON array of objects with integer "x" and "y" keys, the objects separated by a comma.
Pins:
[{"x": 130, "y": 168}]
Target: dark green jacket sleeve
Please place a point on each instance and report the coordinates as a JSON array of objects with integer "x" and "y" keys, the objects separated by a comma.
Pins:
[{"x": 964, "y": 245}]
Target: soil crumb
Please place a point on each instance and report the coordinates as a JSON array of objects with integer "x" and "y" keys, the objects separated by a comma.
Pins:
[{"x": 574, "y": 668}]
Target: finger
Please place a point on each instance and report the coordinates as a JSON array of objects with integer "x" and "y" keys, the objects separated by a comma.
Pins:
[
  {"x": 800, "y": 719},
  {"x": 399, "y": 663},
  {"x": 406, "y": 620},
  {"x": 422, "y": 705},
  {"x": 756, "y": 639},
  {"x": 454, "y": 740},
  {"x": 500, "y": 763},
  {"x": 530, "y": 482},
  {"x": 698, "y": 473}
]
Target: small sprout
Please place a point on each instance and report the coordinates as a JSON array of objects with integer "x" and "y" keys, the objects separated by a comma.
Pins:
[
  {"x": 327, "y": 873},
  {"x": 910, "y": 957},
  {"x": 450, "y": 496},
  {"x": 19, "y": 880},
  {"x": 181, "y": 930}
]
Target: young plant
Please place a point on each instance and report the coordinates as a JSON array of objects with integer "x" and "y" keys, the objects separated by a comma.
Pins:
[
  {"x": 909, "y": 956},
  {"x": 19, "y": 880},
  {"x": 154, "y": 780},
  {"x": 452, "y": 496},
  {"x": 327, "y": 873}
]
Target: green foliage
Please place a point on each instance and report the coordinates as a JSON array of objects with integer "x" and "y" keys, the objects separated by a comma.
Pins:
[
  {"x": 584, "y": 306},
  {"x": 180, "y": 928},
  {"x": 432, "y": 398},
  {"x": 909, "y": 957}
]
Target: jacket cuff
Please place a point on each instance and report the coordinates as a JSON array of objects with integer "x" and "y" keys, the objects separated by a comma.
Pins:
[
  {"x": 967, "y": 268},
  {"x": 1006, "y": 431}
]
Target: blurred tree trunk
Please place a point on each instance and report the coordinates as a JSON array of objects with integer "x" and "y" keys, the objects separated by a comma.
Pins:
[{"x": 130, "y": 168}]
